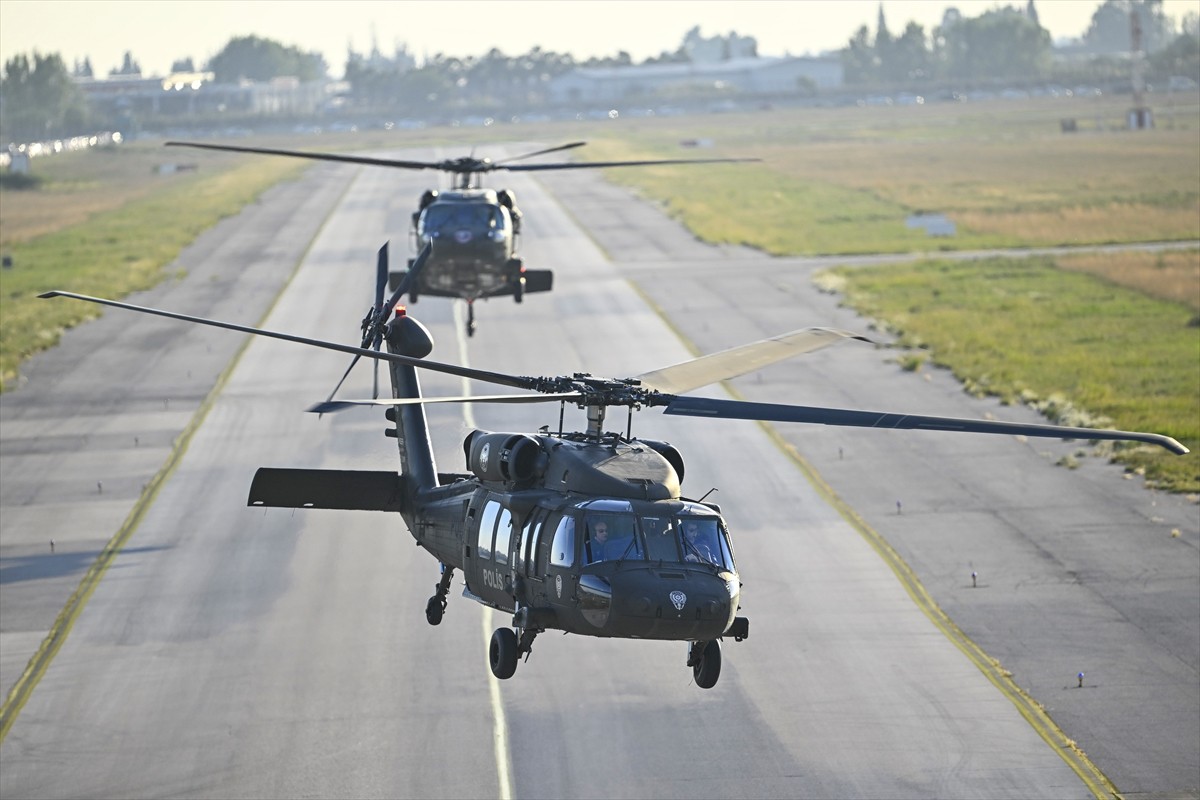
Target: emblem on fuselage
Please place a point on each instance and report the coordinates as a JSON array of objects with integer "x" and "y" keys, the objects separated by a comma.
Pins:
[
  {"x": 558, "y": 585},
  {"x": 484, "y": 452},
  {"x": 678, "y": 599},
  {"x": 462, "y": 237}
]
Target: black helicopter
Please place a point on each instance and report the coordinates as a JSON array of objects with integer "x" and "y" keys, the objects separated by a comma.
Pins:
[
  {"x": 586, "y": 532},
  {"x": 476, "y": 229}
]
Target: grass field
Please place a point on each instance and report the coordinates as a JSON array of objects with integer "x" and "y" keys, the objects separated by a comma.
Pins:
[
  {"x": 832, "y": 181},
  {"x": 1081, "y": 349},
  {"x": 1092, "y": 339},
  {"x": 841, "y": 181},
  {"x": 107, "y": 223}
]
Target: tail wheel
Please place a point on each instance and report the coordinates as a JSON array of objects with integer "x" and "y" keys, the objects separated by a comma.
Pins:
[
  {"x": 502, "y": 653},
  {"x": 434, "y": 610},
  {"x": 706, "y": 665}
]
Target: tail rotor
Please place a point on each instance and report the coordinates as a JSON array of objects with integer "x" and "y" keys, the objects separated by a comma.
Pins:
[{"x": 374, "y": 322}]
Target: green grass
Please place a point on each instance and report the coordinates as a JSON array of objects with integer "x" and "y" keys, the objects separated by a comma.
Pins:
[
  {"x": 1081, "y": 348},
  {"x": 114, "y": 252}
]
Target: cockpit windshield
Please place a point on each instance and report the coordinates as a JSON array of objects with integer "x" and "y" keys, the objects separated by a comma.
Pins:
[
  {"x": 626, "y": 536},
  {"x": 455, "y": 216}
]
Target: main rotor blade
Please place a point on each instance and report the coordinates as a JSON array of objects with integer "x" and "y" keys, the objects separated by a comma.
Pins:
[
  {"x": 374, "y": 162},
  {"x": 771, "y": 412},
  {"x": 515, "y": 381},
  {"x": 735, "y": 361},
  {"x": 560, "y": 148},
  {"x": 407, "y": 282},
  {"x": 601, "y": 164},
  {"x": 381, "y": 276},
  {"x": 330, "y": 406}
]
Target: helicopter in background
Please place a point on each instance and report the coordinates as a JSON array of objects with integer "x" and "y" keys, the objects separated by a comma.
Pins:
[
  {"x": 475, "y": 229},
  {"x": 582, "y": 532}
]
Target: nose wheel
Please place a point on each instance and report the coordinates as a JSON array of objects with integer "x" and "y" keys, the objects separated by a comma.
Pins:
[{"x": 705, "y": 660}]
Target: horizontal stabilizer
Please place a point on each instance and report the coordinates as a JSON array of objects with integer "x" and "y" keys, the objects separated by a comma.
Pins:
[
  {"x": 343, "y": 489},
  {"x": 538, "y": 280}
]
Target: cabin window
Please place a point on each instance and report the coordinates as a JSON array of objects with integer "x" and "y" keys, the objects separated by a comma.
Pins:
[
  {"x": 525, "y": 555},
  {"x": 531, "y": 547},
  {"x": 518, "y": 561},
  {"x": 503, "y": 535},
  {"x": 562, "y": 550},
  {"x": 487, "y": 526}
]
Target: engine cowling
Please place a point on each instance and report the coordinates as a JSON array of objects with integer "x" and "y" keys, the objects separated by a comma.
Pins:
[
  {"x": 504, "y": 457},
  {"x": 669, "y": 452}
]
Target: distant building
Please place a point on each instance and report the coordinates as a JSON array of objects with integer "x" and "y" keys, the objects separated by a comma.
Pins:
[
  {"x": 185, "y": 94},
  {"x": 749, "y": 76}
]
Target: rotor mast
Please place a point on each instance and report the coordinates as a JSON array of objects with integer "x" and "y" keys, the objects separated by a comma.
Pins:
[{"x": 595, "y": 418}]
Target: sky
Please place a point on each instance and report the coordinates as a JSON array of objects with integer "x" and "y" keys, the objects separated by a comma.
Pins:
[{"x": 157, "y": 32}]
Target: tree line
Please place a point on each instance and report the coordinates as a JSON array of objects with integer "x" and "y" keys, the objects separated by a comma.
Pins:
[{"x": 39, "y": 99}]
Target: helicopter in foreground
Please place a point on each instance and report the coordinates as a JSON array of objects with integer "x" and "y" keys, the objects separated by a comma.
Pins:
[
  {"x": 476, "y": 229},
  {"x": 582, "y": 532}
]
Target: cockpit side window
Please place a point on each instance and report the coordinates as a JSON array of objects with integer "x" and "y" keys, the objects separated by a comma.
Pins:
[{"x": 726, "y": 550}]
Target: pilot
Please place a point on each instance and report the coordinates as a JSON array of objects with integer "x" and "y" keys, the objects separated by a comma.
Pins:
[
  {"x": 695, "y": 547},
  {"x": 599, "y": 541}
]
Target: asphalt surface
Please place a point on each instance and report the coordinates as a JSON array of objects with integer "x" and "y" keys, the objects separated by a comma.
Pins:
[
  {"x": 1077, "y": 570},
  {"x": 92, "y": 421},
  {"x": 237, "y": 652}
]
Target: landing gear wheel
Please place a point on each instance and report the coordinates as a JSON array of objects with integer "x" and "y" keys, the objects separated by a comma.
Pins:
[
  {"x": 502, "y": 653},
  {"x": 705, "y": 661},
  {"x": 434, "y": 610},
  {"x": 470, "y": 318},
  {"x": 436, "y": 606}
]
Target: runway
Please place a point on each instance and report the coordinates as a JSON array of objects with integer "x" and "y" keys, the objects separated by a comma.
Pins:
[{"x": 232, "y": 652}]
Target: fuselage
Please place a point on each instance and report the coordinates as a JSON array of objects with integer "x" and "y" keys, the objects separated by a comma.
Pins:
[
  {"x": 527, "y": 547},
  {"x": 473, "y": 244},
  {"x": 586, "y": 534}
]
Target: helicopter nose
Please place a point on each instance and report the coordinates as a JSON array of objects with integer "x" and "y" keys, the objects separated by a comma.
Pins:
[{"x": 676, "y": 603}]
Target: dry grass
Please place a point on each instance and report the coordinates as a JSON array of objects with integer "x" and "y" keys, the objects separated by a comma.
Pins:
[
  {"x": 1170, "y": 275},
  {"x": 1005, "y": 174},
  {"x": 74, "y": 187}
]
